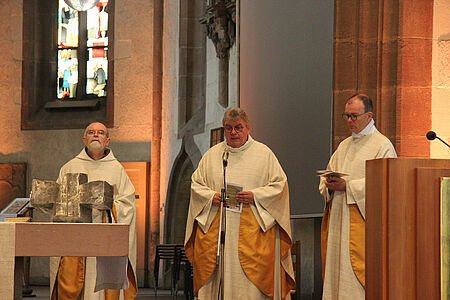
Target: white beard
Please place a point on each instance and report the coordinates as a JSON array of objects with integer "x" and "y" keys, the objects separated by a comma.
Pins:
[{"x": 95, "y": 145}]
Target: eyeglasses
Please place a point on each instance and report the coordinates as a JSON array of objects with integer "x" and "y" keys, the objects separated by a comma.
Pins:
[
  {"x": 354, "y": 117},
  {"x": 237, "y": 128},
  {"x": 92, "y": 132}
]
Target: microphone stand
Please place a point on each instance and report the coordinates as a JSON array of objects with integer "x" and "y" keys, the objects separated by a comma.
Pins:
[
  {"x": 443, "y": 141},
  {"x": 222, "y": 228},
  {"x": 431, "y": 135}
]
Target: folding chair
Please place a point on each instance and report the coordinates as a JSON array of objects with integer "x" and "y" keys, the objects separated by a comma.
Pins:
[
  {"x": 165, "y": 252},
  {"x": 181, "y": 259}
]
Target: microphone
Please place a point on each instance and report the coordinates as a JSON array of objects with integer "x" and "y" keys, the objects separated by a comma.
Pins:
[
  {"x": 431, "y": 135},
  {"x": 225, "y": 157}
]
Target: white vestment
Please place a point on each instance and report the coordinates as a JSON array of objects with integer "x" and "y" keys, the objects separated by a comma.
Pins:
[
  {"x": 114, "y": 274},
  {"x": 254, "y": 166},
  {"x": 340, "y": 281}
]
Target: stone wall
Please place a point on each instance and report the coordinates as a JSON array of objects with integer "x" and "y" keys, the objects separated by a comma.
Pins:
[
  {"x": 45, "y": 151},
  {"x": 384, "y": 49},
  {"x": 440, "y": 105}
]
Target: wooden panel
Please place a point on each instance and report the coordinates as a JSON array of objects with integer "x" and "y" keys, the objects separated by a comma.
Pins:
[
  {"x": 71, "y": 239},
  {"x": 400, "y": 218},
  {"x": 399, "y": 210},
  {"x": 139, "y": 173},
  {"x": 376, "y": 246},
  {"x": 428, "y": 232}
]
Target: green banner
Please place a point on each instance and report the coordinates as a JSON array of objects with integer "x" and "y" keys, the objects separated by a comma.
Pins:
[{"x": 445, "y": 238}]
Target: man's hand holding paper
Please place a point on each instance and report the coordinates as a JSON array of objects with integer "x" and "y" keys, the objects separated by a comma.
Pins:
[
  {"x": 245, "y": 197},
  {"x": 335, "y": 183},
  {"x": 234, "y": 196}
]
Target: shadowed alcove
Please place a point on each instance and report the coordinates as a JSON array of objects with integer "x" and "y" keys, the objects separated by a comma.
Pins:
[{"x": 178, "y": 200}]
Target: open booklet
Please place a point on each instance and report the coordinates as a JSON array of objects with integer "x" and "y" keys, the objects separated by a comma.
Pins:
[
  {"x": 232, "y": 190},
  {"x": 329, "y": 173}
]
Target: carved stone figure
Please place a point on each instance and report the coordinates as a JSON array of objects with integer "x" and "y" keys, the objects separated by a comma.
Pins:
[{"x": 220, "y": 21}]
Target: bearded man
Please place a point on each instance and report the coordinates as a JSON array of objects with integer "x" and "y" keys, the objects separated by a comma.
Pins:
[{"x": 77, "y": 277}]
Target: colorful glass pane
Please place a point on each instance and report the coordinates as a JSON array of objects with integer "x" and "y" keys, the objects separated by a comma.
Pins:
[
  {"x": 97, "y": 42},
  {"x": 67, "y": 73},
  {"x": 97, "y": 25},
  {"x": 67, "y": 26},
  {"x": 94, "y": 41},
  {"x": 97, "y": 71}
]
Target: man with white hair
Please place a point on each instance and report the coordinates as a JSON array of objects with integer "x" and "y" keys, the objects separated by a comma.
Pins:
[
  {"x": 257, "y": 258},
  {"x": 77, "y": 277}
]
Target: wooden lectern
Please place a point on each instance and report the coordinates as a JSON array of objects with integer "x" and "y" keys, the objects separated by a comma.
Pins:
[
  {"x": 53, "y": 239},
  {"x": 403, "y": 228}
]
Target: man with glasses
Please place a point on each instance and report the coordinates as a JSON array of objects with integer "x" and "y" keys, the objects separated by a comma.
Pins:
[
  {"x": 257, "y": 260},
  {"x": 76, "y": 277},
  {"x": 343, "y": 223}
]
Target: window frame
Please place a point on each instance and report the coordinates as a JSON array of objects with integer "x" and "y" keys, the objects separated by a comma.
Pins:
[{"x": 40, "y": 107}]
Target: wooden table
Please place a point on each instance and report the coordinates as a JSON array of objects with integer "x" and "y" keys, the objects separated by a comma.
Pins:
[{"x": 18, "y": 240}]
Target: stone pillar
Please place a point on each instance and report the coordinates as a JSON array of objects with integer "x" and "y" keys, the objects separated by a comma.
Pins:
[
  {"x": 383, "y": 48},
  {"x": 223, "y": 81},
  {"x": 155, "y": 167},
  {"x": 414, "y": 77}
]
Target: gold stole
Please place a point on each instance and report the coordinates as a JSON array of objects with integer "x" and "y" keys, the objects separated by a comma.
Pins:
[
  {"x": 356, "y": 241},
  {"x": 70, "y": 277},
  {"x": 201, "y": 249},
  {"x": 257, "y": 254},
  {"x": 324, "y": 236}
]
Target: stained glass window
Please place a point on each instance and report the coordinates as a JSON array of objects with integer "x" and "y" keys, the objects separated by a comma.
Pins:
[{"x": 82, "y": 71}]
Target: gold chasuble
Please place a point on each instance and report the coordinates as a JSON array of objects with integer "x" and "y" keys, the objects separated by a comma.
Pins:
[
  {"x": 343, "y": 222},
  {"x": 257, "y": 257}
]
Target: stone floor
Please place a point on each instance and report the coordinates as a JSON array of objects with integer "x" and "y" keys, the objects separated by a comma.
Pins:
[{"x": 42, "y": 293}]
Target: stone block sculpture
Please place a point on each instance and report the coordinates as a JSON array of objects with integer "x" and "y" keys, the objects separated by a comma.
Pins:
[{"x": 71, "y": 201}]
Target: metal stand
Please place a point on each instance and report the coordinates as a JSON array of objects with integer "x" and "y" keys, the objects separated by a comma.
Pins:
[{"x": 222, "y": 227}]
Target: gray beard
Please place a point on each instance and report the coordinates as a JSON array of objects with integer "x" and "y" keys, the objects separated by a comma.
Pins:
[{"x": 95, "y": 145}]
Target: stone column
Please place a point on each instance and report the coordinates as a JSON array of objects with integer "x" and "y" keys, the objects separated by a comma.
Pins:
[
  {"x": 384, "y": 48},
  {"x": 155, "y": 167}
]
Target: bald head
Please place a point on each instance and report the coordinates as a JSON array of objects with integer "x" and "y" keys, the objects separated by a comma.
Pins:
[
  {"x": 366, "y": 101},
  {"x": 97, "y": 125}
]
